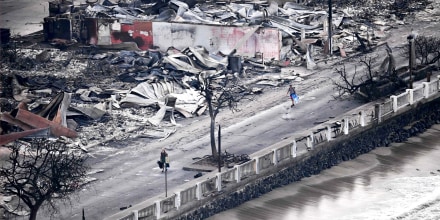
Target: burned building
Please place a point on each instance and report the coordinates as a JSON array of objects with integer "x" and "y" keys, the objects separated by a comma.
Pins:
[{"x": 249, "y": 28}]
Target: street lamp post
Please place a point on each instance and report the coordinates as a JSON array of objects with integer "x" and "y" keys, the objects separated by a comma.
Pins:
[
  {"x": 410, "y": 39},
  {"x": 330, "y": 27},
  {"x": 166, "y": 184},
  {"x": 219, "y": 151}
]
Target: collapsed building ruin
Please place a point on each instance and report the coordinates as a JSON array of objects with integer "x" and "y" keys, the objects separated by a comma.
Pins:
[
  {"x": 131, "y": 58},
  {"x": 263, "y": 29},
  {"x": 218, "y": 27},
  {"x": 160, "y": 46}
]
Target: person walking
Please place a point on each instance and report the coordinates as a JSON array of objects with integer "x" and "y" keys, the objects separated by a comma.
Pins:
[
  {"x": 164, "y": 159},
  {"x": 292, "y": 94}
]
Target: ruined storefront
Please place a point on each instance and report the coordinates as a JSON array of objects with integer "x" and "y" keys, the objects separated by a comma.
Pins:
[{"x": 88, "y": 25}]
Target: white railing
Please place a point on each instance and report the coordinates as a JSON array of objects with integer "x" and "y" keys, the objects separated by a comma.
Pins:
[
  {"x": 401, "y": 100},
  {"x": 283, "y": 153},
  {"x": 320, "y": 135},
  {"x": 130, "y": 216},
  {"x": 418, "y": 93},
  {"x": 168, "y": 204},
  {"x": 431, "y": 88},
  {"x": 355, "y": 119},
  {"x": 336, "y": 129},
  {"x": 148, "y": 211},
  {"x": 301, "y": 143},
  {"x": 364, "y": 117},
  {"x": 208, "y": 186},
  {"x": 229, "y": 177},
  {"x": 387, "y": 107},
  {"x": 246, "y": 169},
  {"x": 188, "y": 195},
  {"x": 266, "y": 161}
]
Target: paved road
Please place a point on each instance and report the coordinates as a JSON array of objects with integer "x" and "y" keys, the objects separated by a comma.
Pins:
[
  {"x": 130, "y": 174},
  {"x": 129, "y": 171}
]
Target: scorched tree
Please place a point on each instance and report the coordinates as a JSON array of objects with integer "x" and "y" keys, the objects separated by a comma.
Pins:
[
  {"x": 41, "y": 171},
  {"x": 221, "y": 90}
]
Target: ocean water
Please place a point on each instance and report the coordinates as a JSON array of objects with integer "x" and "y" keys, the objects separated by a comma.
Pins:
[{"x": 397, "y": 182}]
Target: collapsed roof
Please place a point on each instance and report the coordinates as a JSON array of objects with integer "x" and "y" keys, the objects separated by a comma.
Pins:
[
  {"x": 182, "y": 39},
  {"x": 247, "y": 28}
]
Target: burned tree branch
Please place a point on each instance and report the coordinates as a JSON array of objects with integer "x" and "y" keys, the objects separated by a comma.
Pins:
[
  {"x": 427, "y": 49},
  {"x": 369, "y": 84},
  {"x": 351, "y": 84},
  {"x": 221, "y": 90},
  {"x": 347, "y": 86},
  {"x": 42, "y": 171}
]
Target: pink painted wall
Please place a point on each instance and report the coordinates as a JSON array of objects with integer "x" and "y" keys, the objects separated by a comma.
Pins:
[{"x": 215, "y": 38}]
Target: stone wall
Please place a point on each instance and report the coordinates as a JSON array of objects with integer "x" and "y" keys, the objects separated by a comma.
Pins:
[{"x": 398, "y": 128}]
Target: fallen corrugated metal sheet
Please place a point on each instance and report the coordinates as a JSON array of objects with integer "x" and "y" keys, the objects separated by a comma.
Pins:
[
  {"x": 56, "y": 109},
  {"x": 6, "y": 117},
  {"x": 176, "y": 61},
  {"x": 93, "y": 113},
  {"x": 145, "y": 94},
  {"x": 6, "y": 138},
  {"x": 49, "y": 120},
  {"x": 215, "y": 38},
  {"x": 40, "y": 122}
]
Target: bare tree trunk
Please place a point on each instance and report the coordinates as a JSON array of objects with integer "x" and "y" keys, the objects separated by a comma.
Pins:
[
  {"x": 33, "y": 215},
  {"x": 212, "y": 115},
  {"x": 34, "y": 211},
  {"x": 212, "y": 135},
  {"x": 219, "y": 93}
]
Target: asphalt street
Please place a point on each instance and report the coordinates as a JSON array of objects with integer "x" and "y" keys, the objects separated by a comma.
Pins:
[{"x": 129, "y": 174}]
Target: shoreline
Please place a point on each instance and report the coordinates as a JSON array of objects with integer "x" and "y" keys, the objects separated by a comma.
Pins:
[{"x": 317, "y": 197}]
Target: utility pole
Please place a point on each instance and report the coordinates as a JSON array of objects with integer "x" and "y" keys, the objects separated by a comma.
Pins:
[
  {"x": 330, "y": 27},
  {"x": 410, "y": 39},
  {"x": 166, "y": 184},
  {"x": 219, "y": 151}
]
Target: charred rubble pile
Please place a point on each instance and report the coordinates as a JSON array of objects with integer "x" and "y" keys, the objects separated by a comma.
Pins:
[
  {"x": 86, "y": 89},
  {"x": 143, "y": 24},
  {"x": 101, "y": 96}
]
